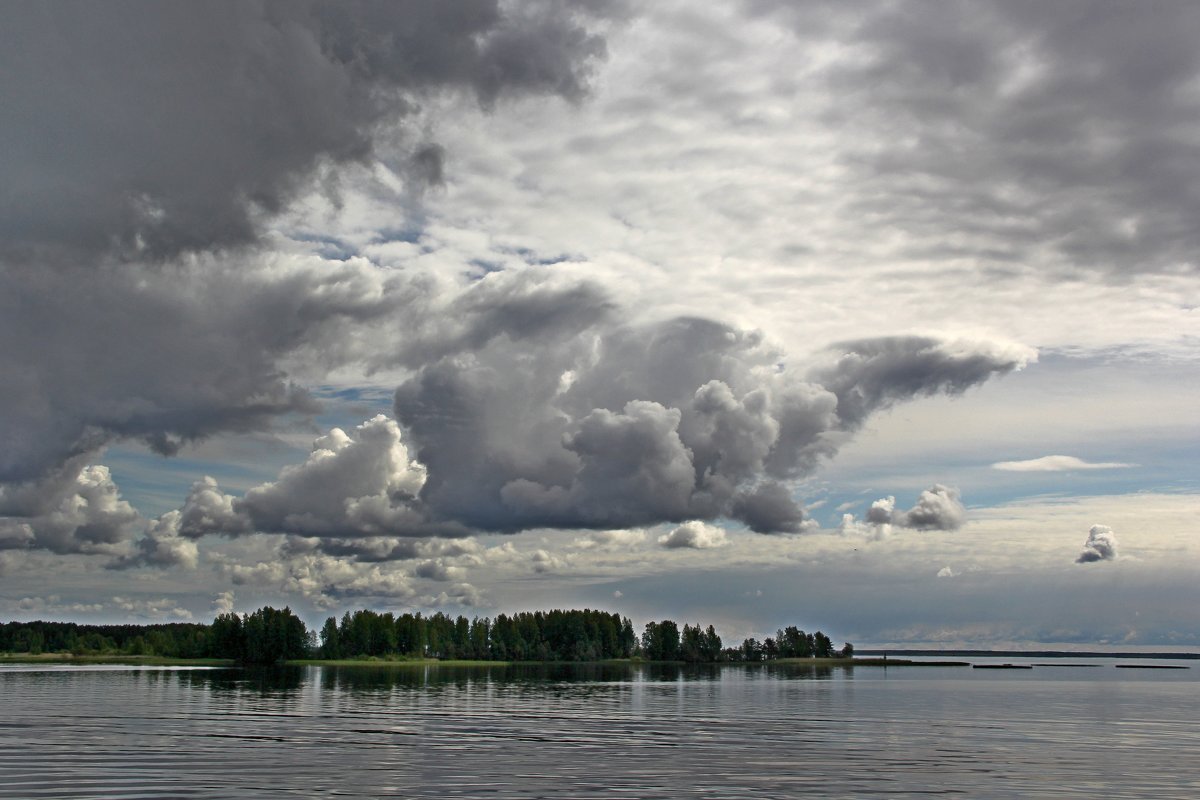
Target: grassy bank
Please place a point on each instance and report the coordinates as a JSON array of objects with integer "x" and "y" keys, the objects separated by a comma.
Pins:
[{"x": 145, "y": 661}]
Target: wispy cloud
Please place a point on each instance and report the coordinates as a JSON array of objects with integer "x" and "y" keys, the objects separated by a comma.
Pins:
[{"x": 1057, "y": 464}]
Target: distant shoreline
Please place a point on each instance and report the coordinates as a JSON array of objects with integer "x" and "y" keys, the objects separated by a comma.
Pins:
[{"x": 1026, "y": 654}]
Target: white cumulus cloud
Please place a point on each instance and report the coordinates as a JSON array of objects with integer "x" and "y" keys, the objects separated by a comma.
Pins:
[{"x": 695, "y": 535}]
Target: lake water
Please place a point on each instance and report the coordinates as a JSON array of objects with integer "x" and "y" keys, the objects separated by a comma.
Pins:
[{"x": 600, "y": 732}]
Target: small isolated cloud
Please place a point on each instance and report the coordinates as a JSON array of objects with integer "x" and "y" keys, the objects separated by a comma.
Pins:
[
  {"x": 544, "y": 561},
  {"x": 695, "y": 535},
  {"x": 1101, "y": 545},
  {"x": 618, "y": 594},
  {"x": 461, "y": 594},
  {"x": 436, "y": 569},
  {"x": 1056, "y": 464},
  {"x": 938, "y": 508},
  {"x": 946, "y": 572}
]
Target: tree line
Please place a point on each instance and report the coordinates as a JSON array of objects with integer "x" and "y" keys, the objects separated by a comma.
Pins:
[
  {"x": 271, "y": 635},
  {"x": 664, "y": 641}
]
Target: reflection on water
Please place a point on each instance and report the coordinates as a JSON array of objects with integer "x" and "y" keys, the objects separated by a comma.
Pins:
[{"x": 597, "y": 730}]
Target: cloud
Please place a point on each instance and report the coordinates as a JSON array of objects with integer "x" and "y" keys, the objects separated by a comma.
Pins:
[
  {"x": 618, "y": 539},
  {"x": 946, "y": 572},
  {"x": 611, "y": 424},
  {"x": 324, "y": 580},
  {"x": 280, "y": 91},
  {"x": 937, "y": 508},
  {"x": 358, "y": 484},
  {"x": 533, "y": 416},
  {"x": 1056, "y": 464},
  {"x": 223, "y": 603},
  {"x": 872, "y": 375},
  {"x": 768, "y": 508},
  {"x": 1101, "y": 545},
  {"x": 151, "y": 608},
  {"x": 52, "y": 604},
  {"x": 168, "y": 355},
  {"x": 437, "y": 570},
  {"x": 136, "y": 297},
  {"x": 381, "y": 548},
  {"x": 75, "y": 509},
  {"x": 1014, "y": 132},
  {"x": 694, "y": 535},
  {"x": 544, "y": 561},
  {"x": 161, "y": 546},
  {"x": 462, "y": 594}
]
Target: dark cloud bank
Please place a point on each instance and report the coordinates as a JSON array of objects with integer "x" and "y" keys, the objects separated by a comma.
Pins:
[{"x": 145, "y": 146}]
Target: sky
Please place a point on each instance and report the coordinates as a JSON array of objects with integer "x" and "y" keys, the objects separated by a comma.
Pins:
[{"x": 873, "y": 317}]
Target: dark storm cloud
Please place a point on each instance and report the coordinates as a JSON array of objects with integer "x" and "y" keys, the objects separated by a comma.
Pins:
[
  {"x": 768, "y": 508},
  {"x": 145, "y": 142},
  {"x": 165, "y": 356},
  {"x": 158, "y": 127},
  {"x": 1019, "y": 125}
]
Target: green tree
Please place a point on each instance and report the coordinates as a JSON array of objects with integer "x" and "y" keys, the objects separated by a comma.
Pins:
[{"x": 330, "y": 640}]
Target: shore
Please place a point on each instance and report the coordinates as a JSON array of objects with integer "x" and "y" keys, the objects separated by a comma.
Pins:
[
  {"x": 159, "y": 661},
  {"x": 123, "y": 660}
]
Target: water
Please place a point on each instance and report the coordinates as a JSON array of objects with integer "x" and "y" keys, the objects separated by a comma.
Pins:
[{"x": 599, "y": 732}]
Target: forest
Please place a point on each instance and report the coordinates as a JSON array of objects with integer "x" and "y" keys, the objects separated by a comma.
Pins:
[{"x": 271, "y": 635}]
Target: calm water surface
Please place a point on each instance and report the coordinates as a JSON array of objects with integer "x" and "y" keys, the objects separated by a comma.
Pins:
[{"x": 599, "y": 732}]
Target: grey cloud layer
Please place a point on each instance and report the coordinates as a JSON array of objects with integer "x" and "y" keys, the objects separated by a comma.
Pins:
[{"x": 1015, "y": 128}]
